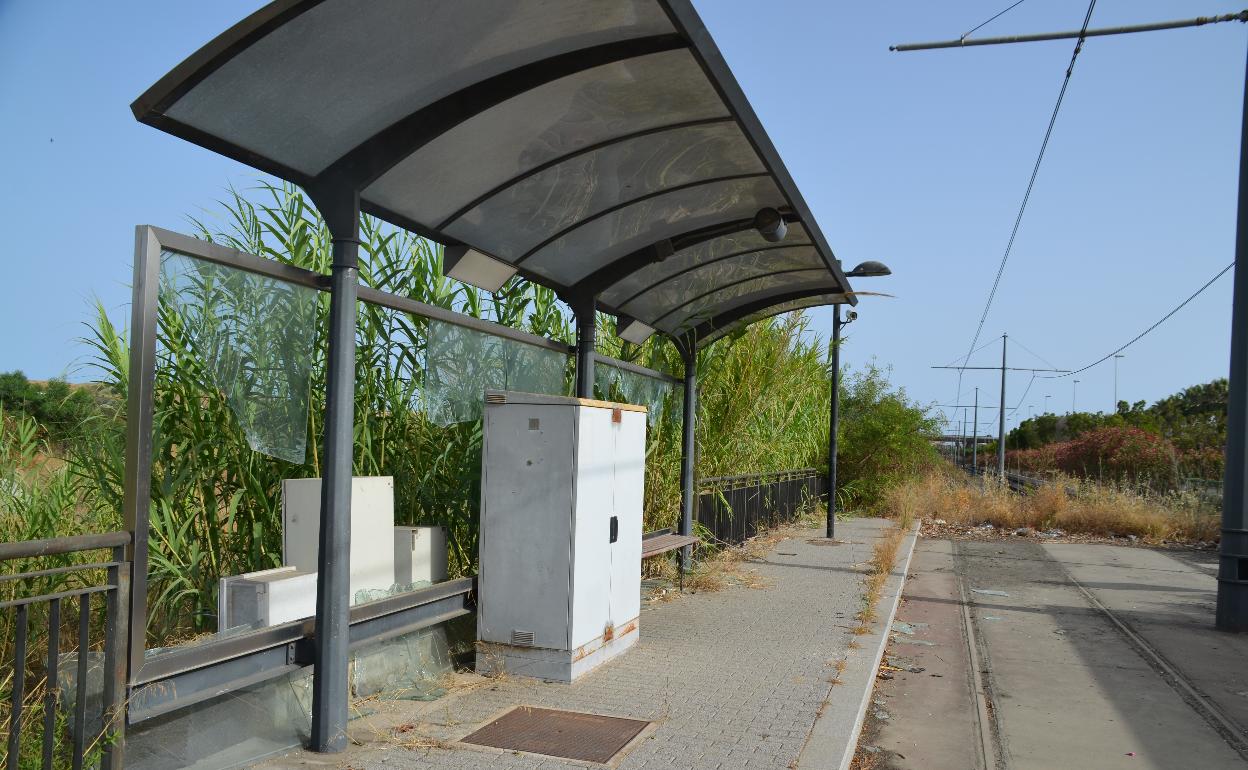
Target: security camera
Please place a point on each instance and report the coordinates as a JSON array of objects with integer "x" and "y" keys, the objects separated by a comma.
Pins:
[
  {"x": 770, "y": 224},
  {"x": 851, "y": 315}
]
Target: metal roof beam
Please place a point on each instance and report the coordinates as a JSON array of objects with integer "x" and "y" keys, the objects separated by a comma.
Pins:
[
  {"x": 729, "y": 317},
  {"x": 613, "y": 272}
]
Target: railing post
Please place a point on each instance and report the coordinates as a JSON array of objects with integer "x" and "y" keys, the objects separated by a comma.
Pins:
[
  {"x": 113, "y": 701},
  {"x": 18, "y": 693}
]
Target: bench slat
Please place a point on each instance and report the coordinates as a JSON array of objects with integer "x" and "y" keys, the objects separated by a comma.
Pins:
[{"x": 662, "y": 543}]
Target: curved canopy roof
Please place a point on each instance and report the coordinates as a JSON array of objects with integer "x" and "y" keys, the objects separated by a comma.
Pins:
[{"x": 600, "y": 147}]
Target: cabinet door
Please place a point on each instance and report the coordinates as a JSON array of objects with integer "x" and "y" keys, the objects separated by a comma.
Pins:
[
  {"x": 630, "y": 479},
  {"x": 591, "y": 524},
  {"x": 526, "y": 508}
]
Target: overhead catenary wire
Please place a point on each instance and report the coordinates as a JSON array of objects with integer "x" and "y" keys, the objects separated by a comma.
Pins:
[
  {"x": 965, "y": 35},
  {"x": 973, "y": 352},
  {"x": 1142, "y": 334},
  {"x": 1018, "y": 220},
  {"x": 1034, "y": 353},
  {"x": 1023, "y": 397}
]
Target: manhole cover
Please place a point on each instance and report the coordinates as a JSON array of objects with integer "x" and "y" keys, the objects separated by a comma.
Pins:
[{"x": 565, "y": 734}]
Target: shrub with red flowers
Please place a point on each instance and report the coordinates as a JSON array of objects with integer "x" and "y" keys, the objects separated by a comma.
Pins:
[
  {"x": 1202, "y": 463},
  {"x": 1119, "y": 454},
  {"x": 1114, "y": 454},
  {"x": 1040, "y": 460}
]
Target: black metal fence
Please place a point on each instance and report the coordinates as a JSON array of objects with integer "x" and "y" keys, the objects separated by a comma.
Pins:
[
  {"x": 733, "y": 509},
  {"x": 55, "y": 593}
]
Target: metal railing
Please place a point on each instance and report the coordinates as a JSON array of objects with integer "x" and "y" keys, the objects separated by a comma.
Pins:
[
  {"x": 53, "y": 590},
  {"x": 735, "y": 508}
]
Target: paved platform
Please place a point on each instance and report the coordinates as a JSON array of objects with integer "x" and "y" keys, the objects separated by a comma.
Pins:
[
  {"x": 1025, "y": 654},
  {"x": 731, "y": 679}
]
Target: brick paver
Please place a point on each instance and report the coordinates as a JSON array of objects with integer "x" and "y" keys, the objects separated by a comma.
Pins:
[{"x": 732, "y": 679}]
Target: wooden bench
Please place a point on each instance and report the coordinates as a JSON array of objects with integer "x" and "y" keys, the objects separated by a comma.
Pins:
[{"x": 662, "y": 541}]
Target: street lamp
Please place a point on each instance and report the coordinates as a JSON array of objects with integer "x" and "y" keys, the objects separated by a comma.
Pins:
[{"x": 868, "y": 269}]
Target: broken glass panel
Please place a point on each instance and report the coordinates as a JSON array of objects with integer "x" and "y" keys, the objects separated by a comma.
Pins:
[{"x": 622, "y": 386}]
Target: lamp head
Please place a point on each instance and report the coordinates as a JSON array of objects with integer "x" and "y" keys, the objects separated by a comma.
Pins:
[{"x": 870, "y": 269}]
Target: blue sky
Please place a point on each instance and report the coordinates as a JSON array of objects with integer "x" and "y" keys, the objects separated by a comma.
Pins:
[{"x": 917, "y": 159}]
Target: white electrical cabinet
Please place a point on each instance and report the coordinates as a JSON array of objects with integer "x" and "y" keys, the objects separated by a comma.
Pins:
[
  {"x": 372, "y": 529},
  {"x": 562, "y": 483}
]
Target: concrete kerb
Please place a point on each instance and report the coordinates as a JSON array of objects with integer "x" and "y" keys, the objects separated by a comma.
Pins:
[{"x": 833, "y": 739}]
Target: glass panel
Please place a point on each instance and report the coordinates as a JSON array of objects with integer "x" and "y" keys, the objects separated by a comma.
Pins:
[
  {"x": 624, "y": 387},
  {"x": 597, "y": 243},
  {"x": 744, "y": 293},
  {"x": 736, "y": 243},
  {"x": 541, "y": 125},
  {"x": 254, "y": 336},
  {"x": 461, "y": 364},
  {"x": 699, "y": 281},
  {"x": 557, "y": 198},
  {"x": 376, "y": 61}
]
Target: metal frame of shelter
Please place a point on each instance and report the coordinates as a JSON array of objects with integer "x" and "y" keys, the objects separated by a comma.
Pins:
[
  {"x": 182, "y": 677},
  {"x": 598, "y": 147}
]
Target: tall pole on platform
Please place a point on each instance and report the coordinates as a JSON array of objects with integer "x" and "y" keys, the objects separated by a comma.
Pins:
[
  {"x": 1001, "y": 418},
  {"x": 1232, "y": 606},
  {"x": 834, "y": 376}
]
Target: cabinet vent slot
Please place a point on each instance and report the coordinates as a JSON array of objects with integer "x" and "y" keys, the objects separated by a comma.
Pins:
[
  {"x": 521, "y": 638},
  {"x": 495, "y": 398}
]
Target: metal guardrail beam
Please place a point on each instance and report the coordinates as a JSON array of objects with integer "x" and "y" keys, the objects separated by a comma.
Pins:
[
  {"x": 25, "y": 549},
  {"x": 182, "y": 678}
]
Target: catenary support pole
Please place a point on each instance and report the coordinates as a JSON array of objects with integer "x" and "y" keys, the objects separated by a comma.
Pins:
[
  {"x": 1232, "y": 606},
  {"x": 834, "y": 375},
  {"x": 1001, "y": 419},
  {"x": 965, "y": 42},
  {"x": 333, "y": 580},
  {"x": 962, "y": 443},
  {"x": 688, "y": 492},
  {"x": 586, "y": 311},
  {"x": 975, "y": 439}
]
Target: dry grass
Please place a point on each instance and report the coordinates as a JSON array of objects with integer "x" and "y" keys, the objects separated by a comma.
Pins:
[
  {"x": 883, "y": 559},
  {"x": 1074, "y": 506}
]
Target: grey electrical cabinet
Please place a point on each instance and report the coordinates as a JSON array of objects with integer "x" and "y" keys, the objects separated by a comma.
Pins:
[{"x": 562, "y": 484}]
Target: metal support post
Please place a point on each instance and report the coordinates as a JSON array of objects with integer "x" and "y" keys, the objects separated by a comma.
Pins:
[
  {"x": 137, "y": 489},
  {"x": 333, "y": 580},
  {"x": 1001, "y": 420},
  {"x": 1232, "y": 606},
  {"x": 586, "y": 312},
  {"x": 834, "y": 376},
  {"x": 688, "y": 492}
]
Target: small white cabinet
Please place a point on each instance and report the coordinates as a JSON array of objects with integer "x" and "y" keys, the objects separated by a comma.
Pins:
[{"x": 562, "y": 482}]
